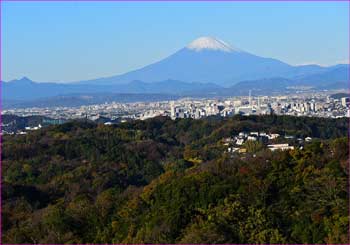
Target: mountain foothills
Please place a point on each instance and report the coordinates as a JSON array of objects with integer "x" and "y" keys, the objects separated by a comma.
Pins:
[
  {"x": 173, "y": 181},
  {"x": 207, "y": 66}
]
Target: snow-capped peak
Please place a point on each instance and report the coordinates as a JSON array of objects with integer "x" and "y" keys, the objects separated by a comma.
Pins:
[{"x": 210, "y": 43}]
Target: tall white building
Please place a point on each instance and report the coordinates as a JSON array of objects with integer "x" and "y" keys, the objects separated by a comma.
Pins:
[{"x": 345, "y": 101}]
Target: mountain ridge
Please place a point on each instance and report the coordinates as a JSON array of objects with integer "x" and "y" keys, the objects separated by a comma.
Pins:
[
  {"x": 206, "y": 66},
  {"x": 22, "y": 92}
]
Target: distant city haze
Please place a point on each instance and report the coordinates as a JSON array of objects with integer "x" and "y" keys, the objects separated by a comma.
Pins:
[{"x": 64, "y": 42}]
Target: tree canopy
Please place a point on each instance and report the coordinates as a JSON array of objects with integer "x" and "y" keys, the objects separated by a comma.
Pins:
[{"x": 165, "y": 181}]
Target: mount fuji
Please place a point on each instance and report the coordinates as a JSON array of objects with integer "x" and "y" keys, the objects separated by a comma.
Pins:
[
  {"x": 205, "y": 67},
  {"x": 210, "y": 60}
]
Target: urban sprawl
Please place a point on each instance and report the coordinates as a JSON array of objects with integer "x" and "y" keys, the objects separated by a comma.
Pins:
[{"x": 315, "y": 105}]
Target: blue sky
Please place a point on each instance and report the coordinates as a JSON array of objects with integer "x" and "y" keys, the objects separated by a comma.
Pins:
[{"x": 61, "y": 41}]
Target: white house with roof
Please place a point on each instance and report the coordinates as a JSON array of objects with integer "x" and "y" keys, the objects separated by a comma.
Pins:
[{"x": 282, "y": 147}]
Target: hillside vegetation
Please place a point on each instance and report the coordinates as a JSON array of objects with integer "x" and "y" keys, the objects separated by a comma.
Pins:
[{"x": 164, "y": 181}]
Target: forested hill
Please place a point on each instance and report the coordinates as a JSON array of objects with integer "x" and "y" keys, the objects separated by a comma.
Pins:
[{"x": 164, "y": 181}]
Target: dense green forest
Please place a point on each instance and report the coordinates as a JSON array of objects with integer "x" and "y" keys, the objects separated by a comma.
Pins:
[{"x": 165, "y": 181}]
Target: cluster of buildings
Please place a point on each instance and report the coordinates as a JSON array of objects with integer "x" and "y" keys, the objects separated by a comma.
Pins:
[
  {"x": 319, "y": 104},
  {"x": 228, "y": 107},
  {"x": 315, "y": 105},
  {"x": 272, "y": 141},
  {"x": 112, "y": 111},
  {"x": 322, "y": 107}
]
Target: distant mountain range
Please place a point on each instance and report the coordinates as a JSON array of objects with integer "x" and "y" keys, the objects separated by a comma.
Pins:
[{"x": 205, "y": 67}]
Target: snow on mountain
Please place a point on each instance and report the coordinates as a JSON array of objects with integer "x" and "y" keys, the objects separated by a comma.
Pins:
[{"x": 210, "y": 43}]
